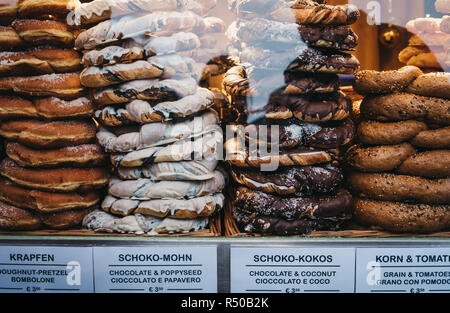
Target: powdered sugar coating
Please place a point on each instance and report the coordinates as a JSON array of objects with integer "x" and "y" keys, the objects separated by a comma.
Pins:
[
  {"x": 165, "y": 207},
  {"x": 145, "y": 189},
  {"x": 139, "y": 224},
  {"x": 158, "y": 134}
]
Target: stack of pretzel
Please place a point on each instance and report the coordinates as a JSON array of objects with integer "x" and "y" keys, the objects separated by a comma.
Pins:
[
  {"x": 291, "y": 54},
  {"x": 401, "y": 165},
  {"x": 426, "y": 48},
  {"x": 143, "y": 61},
  {"x": 52, "y": 165}
]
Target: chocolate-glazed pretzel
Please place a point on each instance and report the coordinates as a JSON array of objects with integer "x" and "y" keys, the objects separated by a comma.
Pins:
[
  {"x": 313, "y": 12},
  {"x": 293, "y": 133},
  {"x": 240, "y": 156},
  {"x": 315, "y": 60},
  {"x": 293, "y": 207},
  {"x": 299, "y": 181},
  {"x": 336, "y": 106}
]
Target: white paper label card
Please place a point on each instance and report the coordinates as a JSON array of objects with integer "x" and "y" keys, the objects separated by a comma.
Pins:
[
  {"x": 156, "y": 269},
  {"x": 46, "y": 269},
  {"x": 413, "y": 270},
  {"x": 292, "y": 270}
]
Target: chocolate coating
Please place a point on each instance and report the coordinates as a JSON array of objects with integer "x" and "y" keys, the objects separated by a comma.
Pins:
[
  {"x": 303, "y": 82},
  {"x": 253, "y": 223},
  {"x": 299, "y": 181},
  {"x": 152, "y": 95},
  {"x": 337, "y": 37},
  {"x": 290, "y": 208},
  {"x": 333, "y": 136},
  {"x": 309, "y": 108},
  {"x": 293, "y": 133},
  {"x": 239, "y": 154},
  {"x": 313, "y": 60}
]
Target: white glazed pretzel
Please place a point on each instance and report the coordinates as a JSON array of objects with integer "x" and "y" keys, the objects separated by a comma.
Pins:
[
  {"x": 174, "y": 208},
  {"x": 185, "y": 170},
  {"x": 145, "y": 189},
  {"x": 157, "y": 134},
  {"x": 156, "y": 24},
  {"x": 100, "y": 10},
  {"x": 140, "y": 111},
  {"x": 139, "y": 224},
  {"x": 206, "y": 147},
  {"x": 146, "y": 89}
]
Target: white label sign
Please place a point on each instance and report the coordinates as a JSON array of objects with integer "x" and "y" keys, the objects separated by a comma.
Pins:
[
  {"x": 156, "y": 269},
  {"x": 46, "y": 269},
  {"x": 292, "y": 270},
  {"x": 413, "y": 270}
]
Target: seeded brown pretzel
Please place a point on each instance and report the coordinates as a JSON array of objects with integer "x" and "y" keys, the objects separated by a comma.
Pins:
[
  {"x": 406, "y": 106},
  {"x": 402, "y": 217},
  {"x": 393, "y": 187},
  {"x": 414, "y": 132}
]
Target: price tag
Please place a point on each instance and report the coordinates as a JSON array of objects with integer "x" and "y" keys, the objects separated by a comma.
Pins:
[
  {"x": 412, "y": 270},
  {"x": 292, "y": 270},
  {"x": 46, "y": 269},
  {"x": 156, "y": 269}
]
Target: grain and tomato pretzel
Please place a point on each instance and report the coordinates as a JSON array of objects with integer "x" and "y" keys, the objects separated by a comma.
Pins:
[
  {"x": 402, "y": 217},
  {"x": 401, "y": 159},
  {"x": 391, "y": 133},
  {"x": 394, "y": 187}
]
